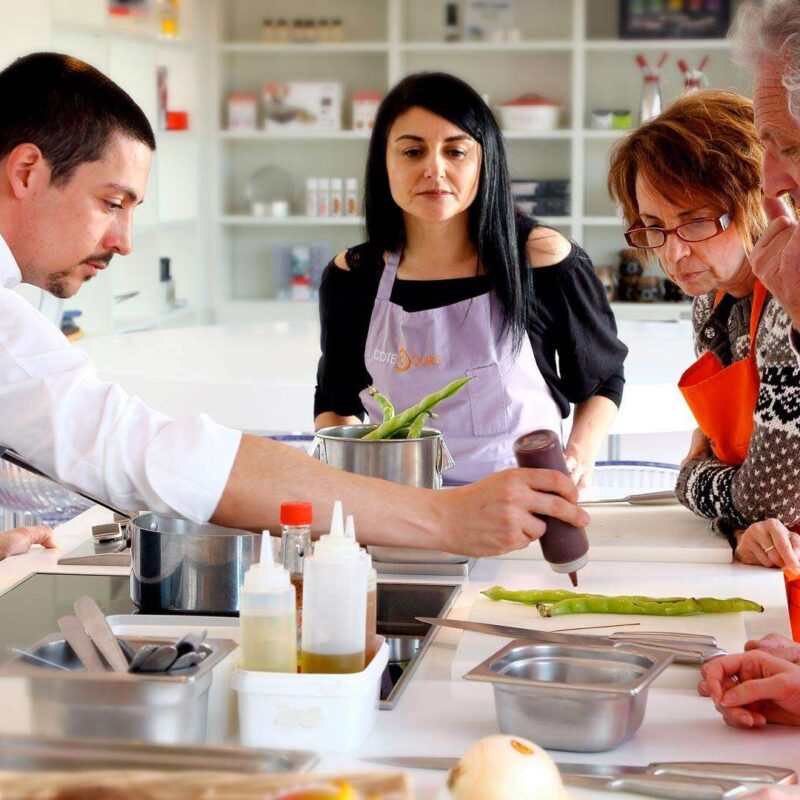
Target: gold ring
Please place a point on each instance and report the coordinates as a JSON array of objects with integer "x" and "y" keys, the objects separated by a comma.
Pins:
[{"x": 767, "y": 549}]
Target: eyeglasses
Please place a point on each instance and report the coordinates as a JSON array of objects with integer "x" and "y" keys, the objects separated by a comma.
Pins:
[{"x": 698, "y": 230}]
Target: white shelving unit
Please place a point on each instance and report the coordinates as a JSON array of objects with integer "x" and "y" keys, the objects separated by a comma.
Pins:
[
  {"x": 168, "y": 223},
  {"x": 568, "y": 53}
]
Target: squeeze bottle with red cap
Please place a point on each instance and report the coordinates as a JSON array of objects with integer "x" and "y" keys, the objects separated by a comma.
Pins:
[{"x": 564, "y": 546}]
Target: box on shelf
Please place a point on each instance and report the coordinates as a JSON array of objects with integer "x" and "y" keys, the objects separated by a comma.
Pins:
[
  {"x": 490, "y": 21},
  {"x": 296, "y": 105},
  {"x": 544, "y": 206},
  {"x": 242, "y": 111},
  {"x": 698, "y": 19},
  {"x": 298, "y": 267},
  {"x": 332, "y": 713},
  {"x": 523, "y": 189},
  {"x": 365, "y": 108}
]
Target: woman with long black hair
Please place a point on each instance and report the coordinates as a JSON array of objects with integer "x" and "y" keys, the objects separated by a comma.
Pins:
[{"x": 454, "y": 281}]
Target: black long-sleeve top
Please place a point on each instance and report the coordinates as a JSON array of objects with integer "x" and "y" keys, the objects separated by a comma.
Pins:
[{"x": 571, "y": 326}]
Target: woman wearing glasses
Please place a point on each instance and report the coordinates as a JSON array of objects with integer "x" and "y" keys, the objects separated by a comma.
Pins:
[{"x": 689, "y": 183}]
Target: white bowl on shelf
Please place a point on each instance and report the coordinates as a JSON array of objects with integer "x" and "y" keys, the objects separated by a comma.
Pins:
[{"x": 530, "y": 116}]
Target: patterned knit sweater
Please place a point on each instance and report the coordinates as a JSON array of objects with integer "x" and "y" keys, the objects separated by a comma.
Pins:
[{"x": 767, "y": 484}]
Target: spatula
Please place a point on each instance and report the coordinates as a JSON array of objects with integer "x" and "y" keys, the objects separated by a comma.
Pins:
[
  {"x": 77, "y": 638},
  {"x": 95, "y": 624}
]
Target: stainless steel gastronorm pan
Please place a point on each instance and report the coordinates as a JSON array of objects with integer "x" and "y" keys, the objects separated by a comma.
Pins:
[
  {"x": 169, "y": 708},
  {"x": 581, "y": 698}
]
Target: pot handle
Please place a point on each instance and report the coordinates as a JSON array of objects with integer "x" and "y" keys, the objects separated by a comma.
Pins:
[
  {"x": 445, "y": 460},
  {"x": 315, "y": 451}
]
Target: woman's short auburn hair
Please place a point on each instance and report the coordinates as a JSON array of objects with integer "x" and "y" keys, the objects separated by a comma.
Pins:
[{"x": 704, "y": 147}]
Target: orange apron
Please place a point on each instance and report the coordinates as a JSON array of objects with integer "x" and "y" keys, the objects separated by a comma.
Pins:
[{"x": 723, "y": 401}]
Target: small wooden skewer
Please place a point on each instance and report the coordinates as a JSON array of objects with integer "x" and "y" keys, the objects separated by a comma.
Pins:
[{"x": 593, "y": 627}]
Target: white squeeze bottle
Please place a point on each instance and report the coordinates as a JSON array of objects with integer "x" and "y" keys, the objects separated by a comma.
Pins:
[
  {"x": 372, "y": 583},
  {"x": 334, "y": 604},
  {"x": 267, "y": 613}
]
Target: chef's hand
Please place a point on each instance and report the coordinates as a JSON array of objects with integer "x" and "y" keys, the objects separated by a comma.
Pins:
[
  {"x": 774, "y": 793},
  {"x": 699, "y": 448},
  {"x": 778, "y": 646},
  {"x": 775, "y": 258},
  {"x": 499, "y": 513},
  {"x": 769, "y": 543},
  {"x": 580, "y": 470},
  {"x": 753, "y": 688},
  {"x": 20, "y": 540}
]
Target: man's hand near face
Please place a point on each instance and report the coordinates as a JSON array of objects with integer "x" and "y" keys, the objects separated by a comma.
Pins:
[{"x": 776, "y": 258}]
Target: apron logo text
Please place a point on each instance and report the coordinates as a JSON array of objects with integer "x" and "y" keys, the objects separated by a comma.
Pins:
[{"x": 402, "y": 361}]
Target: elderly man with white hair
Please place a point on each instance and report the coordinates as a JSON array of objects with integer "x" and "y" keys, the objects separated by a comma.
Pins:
[
  {"x": 766, "y": 39},
  {"x": 762, "y": 685}
]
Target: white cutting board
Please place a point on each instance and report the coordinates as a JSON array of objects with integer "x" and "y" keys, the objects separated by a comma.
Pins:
[
  {"x": 621, "y": 532},
  {"x": 474, "y": 648}
]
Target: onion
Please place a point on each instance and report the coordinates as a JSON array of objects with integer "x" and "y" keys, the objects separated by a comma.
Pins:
[{"x": 504, "y": 768}]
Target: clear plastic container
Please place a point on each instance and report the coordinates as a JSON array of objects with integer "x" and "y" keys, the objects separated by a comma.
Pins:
[
  {"x": 324, "y": 713},
  {"x": 334, "y": 604}
]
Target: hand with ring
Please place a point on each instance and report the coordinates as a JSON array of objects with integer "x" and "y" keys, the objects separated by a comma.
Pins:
[{"x": 769, "y": 543}]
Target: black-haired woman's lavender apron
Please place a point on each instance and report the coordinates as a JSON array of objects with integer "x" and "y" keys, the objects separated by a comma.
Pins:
[{"x": 410, "y": 354}]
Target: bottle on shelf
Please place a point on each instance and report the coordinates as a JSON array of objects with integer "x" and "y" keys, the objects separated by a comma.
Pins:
[
  {"x": 351, "y": 197},
  {"x": 651, "y": 91},
  {"x": 267, "y": 31},
  {"x": 312, "y": 197},
  {"x": 337, "y": 197},
  {"x": 296, "y": 546},
  {"x": 267, "y": 615},
  {"x": 323, "y": 197},
  {"x": 169, "y": 25},
  {"x": 334, "y": 604}
]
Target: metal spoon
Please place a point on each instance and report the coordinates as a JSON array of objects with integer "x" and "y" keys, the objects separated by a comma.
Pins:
[
  {"x": 191, "y": 642},
  {"x": 38, "y": 659},
  {"x": 142, "y": 654},
  {"x": 187, "y": 660},
  {"x": 128, "y": 650},
  {"x": 160, "y": 660}
]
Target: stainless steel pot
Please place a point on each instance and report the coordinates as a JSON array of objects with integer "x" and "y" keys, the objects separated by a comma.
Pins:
[
  {"x": 184, "y": 568},
  {"x": 178, "y": 566},
  {"x": 414, "y": 462}
]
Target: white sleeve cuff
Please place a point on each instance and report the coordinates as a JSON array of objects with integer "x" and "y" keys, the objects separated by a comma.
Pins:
[{"x": 188, "y": 464}]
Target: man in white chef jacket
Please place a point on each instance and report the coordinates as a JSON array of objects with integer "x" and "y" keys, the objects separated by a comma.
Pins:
[{"x": 75, "y": 153}]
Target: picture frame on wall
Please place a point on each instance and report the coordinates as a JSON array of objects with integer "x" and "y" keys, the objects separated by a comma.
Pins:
[{"x": 674, "y": 19}]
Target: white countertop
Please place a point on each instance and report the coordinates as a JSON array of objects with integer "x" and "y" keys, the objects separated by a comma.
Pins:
[
  {"x": 439, "y": 716},
  {"x": 261, "y": 377}
]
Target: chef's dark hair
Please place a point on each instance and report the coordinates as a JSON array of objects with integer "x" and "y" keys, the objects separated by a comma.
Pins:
[
  {"x": 491, "y": 216},
  {"x": 68, "y": 109}
]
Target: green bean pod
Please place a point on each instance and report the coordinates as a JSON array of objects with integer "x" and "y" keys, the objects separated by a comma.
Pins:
[
  {"x": 417, "y": 425},
  {"x": 383, "y": 402},
  {"x": 677, "y": 607},
  {"x": 388, "y": 427},
  {"x": 531, "y": 597}
]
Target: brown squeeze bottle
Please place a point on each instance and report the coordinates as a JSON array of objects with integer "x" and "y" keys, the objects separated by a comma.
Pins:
[{"x": 564, "y": 547}]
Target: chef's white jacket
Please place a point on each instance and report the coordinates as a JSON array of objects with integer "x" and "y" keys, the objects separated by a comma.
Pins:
[{"x": 57, "y": 413}]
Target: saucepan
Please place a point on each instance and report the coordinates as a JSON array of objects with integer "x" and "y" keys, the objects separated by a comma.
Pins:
[
  {"x": 416, "y": 462},
  {"x": 178, "y": 566}
]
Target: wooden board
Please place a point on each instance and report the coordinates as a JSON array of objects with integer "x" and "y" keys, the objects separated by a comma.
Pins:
[
  {"x": 647, "y": 533},
  {"x": 476, "y": 647}
]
